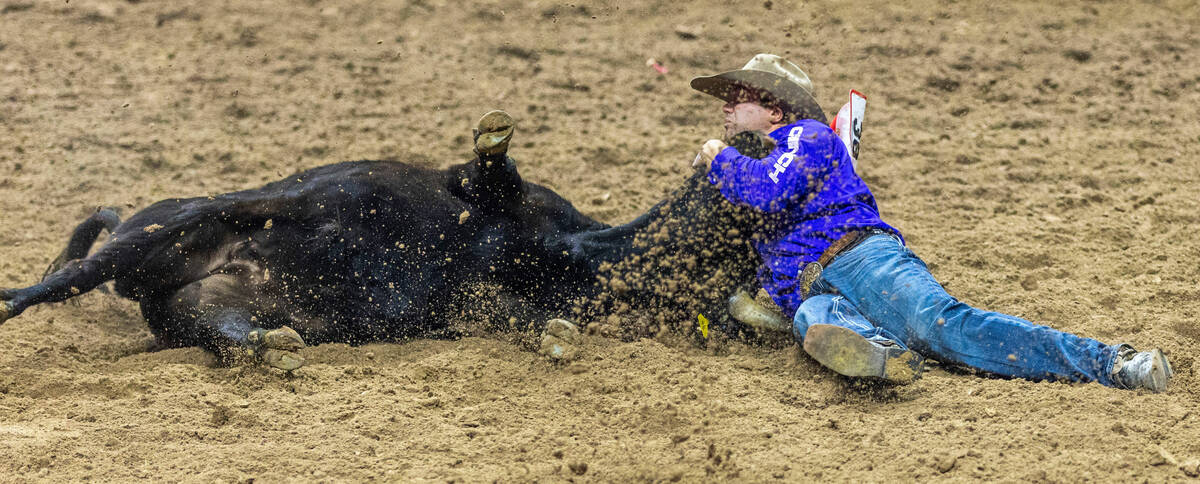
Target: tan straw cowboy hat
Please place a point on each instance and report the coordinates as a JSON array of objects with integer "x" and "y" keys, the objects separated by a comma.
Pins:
[{"x": 769, "y": 73}]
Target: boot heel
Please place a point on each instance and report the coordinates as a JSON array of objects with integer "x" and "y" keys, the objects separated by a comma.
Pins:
[{"x": 848, "y": 353}]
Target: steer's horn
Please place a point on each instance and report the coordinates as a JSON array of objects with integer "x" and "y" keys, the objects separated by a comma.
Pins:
[{"x": 494, "y": 132}]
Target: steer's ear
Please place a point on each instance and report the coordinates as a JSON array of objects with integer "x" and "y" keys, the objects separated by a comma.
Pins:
[{"x": 754, "y": 144}]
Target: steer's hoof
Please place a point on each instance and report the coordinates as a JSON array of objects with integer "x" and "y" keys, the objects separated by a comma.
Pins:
[
  {"x": 560, "y": 340},
  {"x": 284, "y": 338},
  {"x": 494, "y": 132},
  {"x": 6, "y": 311},
  {"x": 284, "y": 360},
  {"x": 277, "y": 347},
  {"x": 745, "y": 308}
]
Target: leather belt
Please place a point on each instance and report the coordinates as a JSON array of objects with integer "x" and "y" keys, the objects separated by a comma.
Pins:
[{"x": 850, "y": 240}]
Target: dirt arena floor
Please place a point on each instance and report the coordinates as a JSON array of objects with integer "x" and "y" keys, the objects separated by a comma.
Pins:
[{"x": 1041, "y": 156}]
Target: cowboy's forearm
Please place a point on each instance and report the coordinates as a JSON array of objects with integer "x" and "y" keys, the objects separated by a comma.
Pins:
[{"x": 753, "y": 182}]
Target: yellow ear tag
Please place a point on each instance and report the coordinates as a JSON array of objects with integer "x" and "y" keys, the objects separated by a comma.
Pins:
[{"x": 703, "y": 325}]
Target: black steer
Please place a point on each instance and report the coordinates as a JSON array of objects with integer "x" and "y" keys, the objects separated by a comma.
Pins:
[{"x": 374, "y": 250}]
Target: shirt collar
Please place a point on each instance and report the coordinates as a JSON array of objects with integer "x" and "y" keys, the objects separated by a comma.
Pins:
[{"x": 780, "y": 134}]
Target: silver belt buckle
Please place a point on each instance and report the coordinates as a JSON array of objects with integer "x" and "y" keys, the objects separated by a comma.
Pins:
[{"x": 808, "y": 276}]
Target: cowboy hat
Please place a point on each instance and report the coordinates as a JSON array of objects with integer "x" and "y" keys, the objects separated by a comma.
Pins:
[{"x": 771, "y": 74}]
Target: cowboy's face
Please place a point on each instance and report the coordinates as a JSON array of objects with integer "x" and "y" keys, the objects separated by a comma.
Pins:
[{"x": 744, "y": 113}]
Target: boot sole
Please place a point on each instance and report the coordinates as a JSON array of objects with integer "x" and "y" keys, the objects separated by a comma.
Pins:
[
  {"x": 1160, "y": 373},
  {"x": 849, "y": 353}
]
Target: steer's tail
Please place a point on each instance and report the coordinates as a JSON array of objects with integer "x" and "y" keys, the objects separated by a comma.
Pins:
[{"x": 83, "y": 237}]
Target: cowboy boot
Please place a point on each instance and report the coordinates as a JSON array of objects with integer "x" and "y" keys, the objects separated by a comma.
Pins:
[{"x": 851, "y": 354}]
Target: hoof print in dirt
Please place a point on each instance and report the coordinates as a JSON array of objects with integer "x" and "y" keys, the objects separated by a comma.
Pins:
[
  {"x": 560, "y": 340},
  {"x": 278, "y": 347}
]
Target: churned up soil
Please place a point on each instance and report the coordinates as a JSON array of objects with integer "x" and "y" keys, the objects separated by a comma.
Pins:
[{"x": 1042, "y": 157}]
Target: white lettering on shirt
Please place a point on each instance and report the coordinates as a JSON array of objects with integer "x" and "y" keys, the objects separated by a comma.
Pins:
[{"x": 786, "y": 159}]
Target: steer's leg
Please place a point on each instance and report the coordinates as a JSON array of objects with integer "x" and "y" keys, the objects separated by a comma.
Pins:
[
  {"x": 76, "y": 277},
  {"x": 224, "y": 313},
  {"x": 497, "y": 174},
  {"x": 491, "y": 182},
  {"x": 72, "y": 273},
  {"x": 130, "y": 246}
]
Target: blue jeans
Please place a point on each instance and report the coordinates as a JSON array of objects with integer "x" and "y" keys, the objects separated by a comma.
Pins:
[{"x": 881, "y": 290}]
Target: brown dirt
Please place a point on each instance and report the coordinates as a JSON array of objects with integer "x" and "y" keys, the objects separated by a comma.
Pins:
[{"x": 1041, "y": 156}]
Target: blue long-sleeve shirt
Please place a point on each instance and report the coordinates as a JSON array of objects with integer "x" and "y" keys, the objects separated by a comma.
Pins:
[{"x": 810, "y": 195}]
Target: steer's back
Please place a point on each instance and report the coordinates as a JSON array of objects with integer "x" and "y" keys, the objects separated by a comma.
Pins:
[{"x": 350, "y": 241}]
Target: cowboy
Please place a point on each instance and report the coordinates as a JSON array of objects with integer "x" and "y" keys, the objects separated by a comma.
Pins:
[{"x": 865, "y": 305}]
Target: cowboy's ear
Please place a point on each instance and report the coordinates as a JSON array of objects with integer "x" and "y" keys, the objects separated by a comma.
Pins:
[{"x": 776, "y": 115}]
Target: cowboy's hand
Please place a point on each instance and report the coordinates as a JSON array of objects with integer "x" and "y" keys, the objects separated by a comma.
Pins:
[{"x": 708, "y": 152}]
